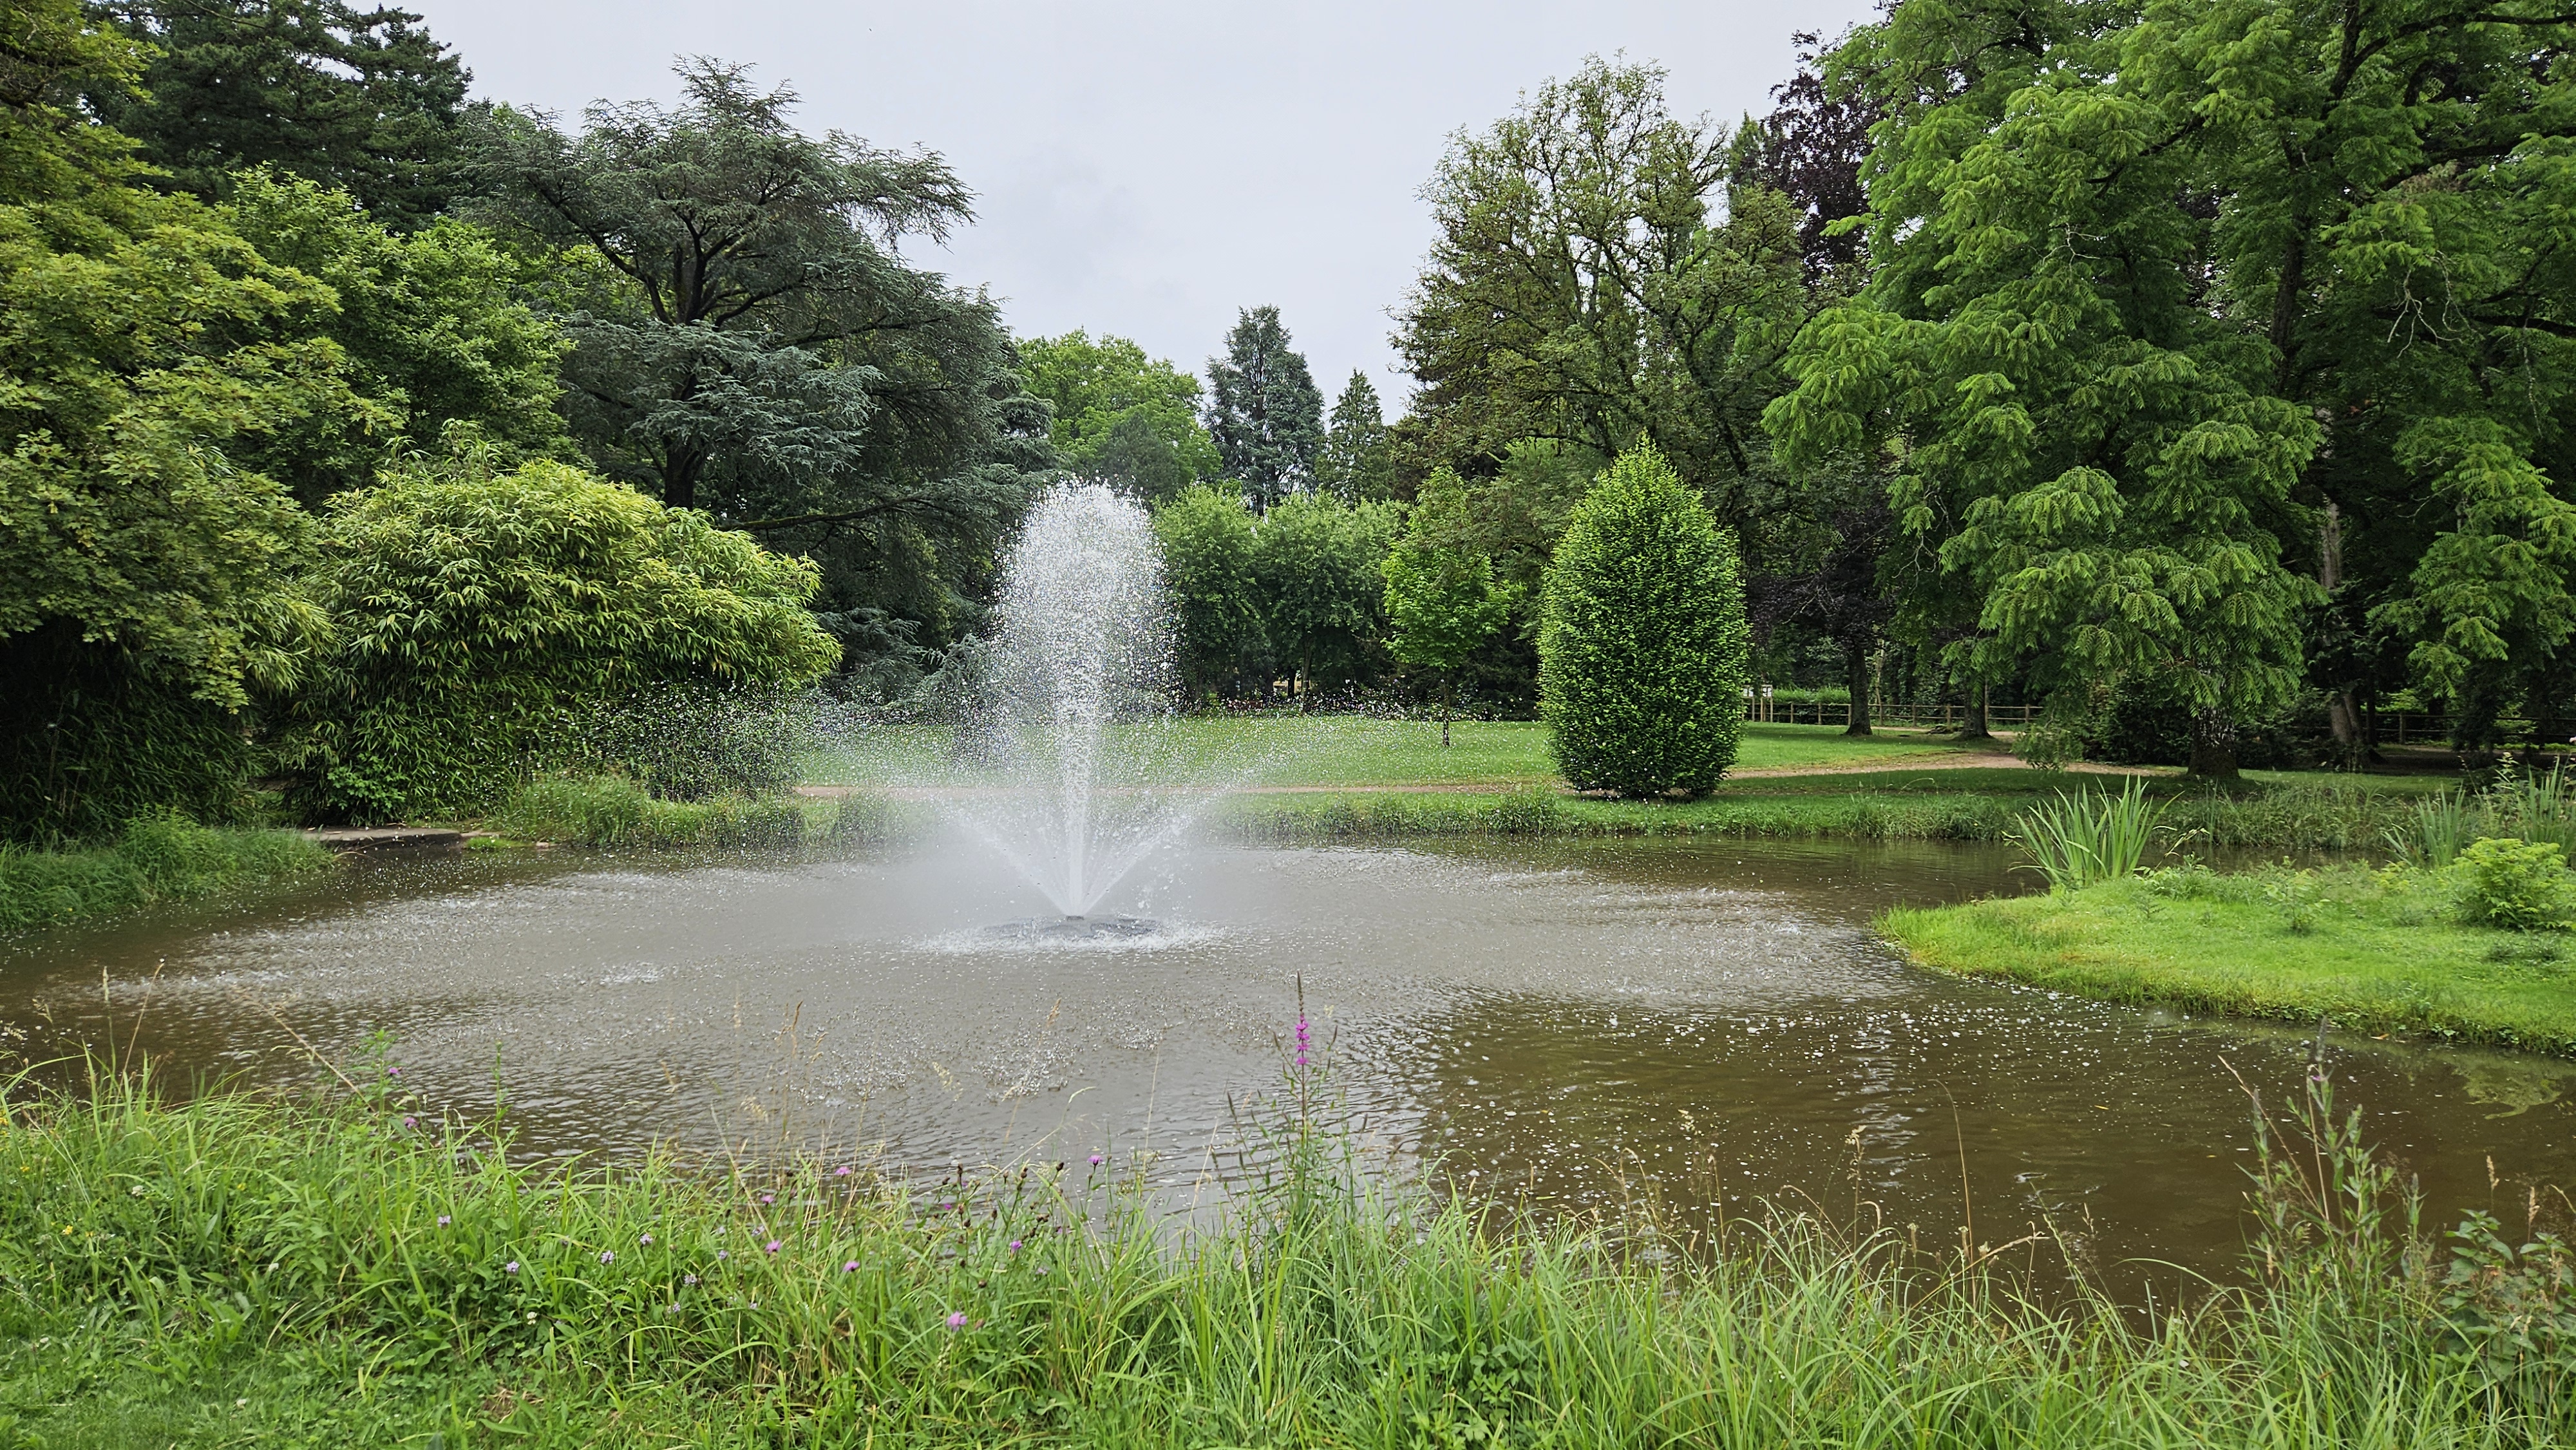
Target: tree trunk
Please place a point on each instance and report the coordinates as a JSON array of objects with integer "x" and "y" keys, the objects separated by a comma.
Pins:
[
  {"x": 2213, "y": 745},
  {"x": 1856, "y": 681},
  {"x": 1972, "y": 726},
  {"x": 2352, "y": 739},
  {"x": 1448, "y": 687}
]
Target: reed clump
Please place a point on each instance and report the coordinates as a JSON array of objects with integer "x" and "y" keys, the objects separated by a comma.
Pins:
[
  {"x": 235, "y": 1269},
  {"x": 611, "y": 811}
]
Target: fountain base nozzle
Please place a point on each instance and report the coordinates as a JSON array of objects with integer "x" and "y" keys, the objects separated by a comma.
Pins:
[{"x": 1073, "y": 928}]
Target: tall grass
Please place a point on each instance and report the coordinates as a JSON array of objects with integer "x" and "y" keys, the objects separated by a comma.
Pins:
[
  {"x": 2077, "y": 839},
  {"x": 255, "y": 1268},
  {"x": 156, "y": 859},
  {"x": 2521, "y": 807},
  {"x": 614, "y": 812}
]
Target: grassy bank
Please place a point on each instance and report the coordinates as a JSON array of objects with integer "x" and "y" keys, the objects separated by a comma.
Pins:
[
  {"x": 153, "y": 862},
  {"x": 236, "y": 1271},
  {"x": 2375, "y": 951},
  {"x": 2284, "y": 814},
  {"x": 620, "y": 813}
]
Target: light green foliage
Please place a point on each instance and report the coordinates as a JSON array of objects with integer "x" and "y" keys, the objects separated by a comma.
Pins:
[
  {"x": 149, "y": 579},
  {"x": 614, "y": 813},
  {"x": 1119, "y": 414},
  {"x": 1642, "y": 644},
  {"x": 251, "y": 1266},
  {"x": 477, "y": 615},
  {"x": 1207, "y": 536},
  {"x": 154, "y": 859},
  {"x": 1441, "y": 603},
  {"x": 1315, "y": 569},
  {"x": 2077, "y": 840},
  {"x": 2518, "y": 885},
  {"x": 1586, "y": 287},
  {"x": 1358, "y": 457},
  {"x": 430, "y": 320}
]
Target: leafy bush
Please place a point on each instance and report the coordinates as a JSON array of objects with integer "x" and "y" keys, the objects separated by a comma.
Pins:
[
  {"x": 1207, "y": 537},
  {"x": 621, "y": 813},
  {"x": 1642, "y": 640},
  {"x": 2519, "y": 885},
  {"x": 479, "y": 619}
]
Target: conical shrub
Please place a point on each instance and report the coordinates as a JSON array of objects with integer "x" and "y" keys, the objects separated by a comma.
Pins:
[{"x": 1642, "y": 642}]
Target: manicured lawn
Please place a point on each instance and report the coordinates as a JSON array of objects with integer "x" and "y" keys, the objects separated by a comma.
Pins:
[
  {"x": 2377, "y": 952},
  {"x": 1331, "y": 750}
]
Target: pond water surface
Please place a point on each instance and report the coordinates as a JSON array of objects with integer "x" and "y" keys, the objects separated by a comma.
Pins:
[{"x": 1705, "y": 1025}]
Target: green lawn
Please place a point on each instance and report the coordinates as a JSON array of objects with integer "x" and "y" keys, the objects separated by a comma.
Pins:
[
  {"x": 2379, "y": 952},
  {"x": 1332, "y": 750}
]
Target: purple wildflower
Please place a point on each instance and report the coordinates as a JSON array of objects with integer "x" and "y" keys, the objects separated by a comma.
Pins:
[
  {"x": 841, "y": 1172},
  {"x": 608, "y": 1256},
  {"x": 769, "y": 1198},
  {"x": 410, "y": 1122},
  {"x": 646, "y": 1239},
  {"x": 511, "y": 1267},
  {"x": 1015, "y": 1246},
  {"x": 774, "y": 1246},
  {"x": 851, "y": 1267},
  {"x": 442, "y": 1220},
  {"x": 957, "y": 1320},
  {"x": 1095, "y": 1160},
  {"x": 689, "y": 1279},
  {"x": 722, "y": 1255}
]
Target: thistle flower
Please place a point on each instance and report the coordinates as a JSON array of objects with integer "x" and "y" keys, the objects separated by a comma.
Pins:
[
  {"x": 1095, "y": 1160},
  {"x": 1015, "y": 1246}
]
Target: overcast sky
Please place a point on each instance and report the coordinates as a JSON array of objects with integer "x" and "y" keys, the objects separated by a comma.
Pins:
[{"x": 1148, "y": 169}]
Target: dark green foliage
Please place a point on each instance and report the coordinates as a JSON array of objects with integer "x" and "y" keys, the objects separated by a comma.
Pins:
[
  {"x": 363, "y": 101},
  {"x": 747, "y": 339},
  {"x": 1208, "y": 539},
  {"x": 1441, "y": 602},
  {"x": 1358, "y": 457},
  {"x": 1642, "y": 640},
  {"x": 154, "y": 859},
  {"x": 1264, "y": 411},
  {"x": 481, "y": 622},
  {"x": 54, "y": 56},
  {"x": 90, "y": 737}
]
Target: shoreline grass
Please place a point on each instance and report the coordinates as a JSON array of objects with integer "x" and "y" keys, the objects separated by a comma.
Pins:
[
  {"x": 2373, "y": 951},
  {"x": 156, "y": 860},
  {"x": 240, "y": 1269}
]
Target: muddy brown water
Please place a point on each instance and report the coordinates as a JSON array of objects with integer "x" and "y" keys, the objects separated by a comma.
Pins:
[{"x": 1701, "y": 1026}]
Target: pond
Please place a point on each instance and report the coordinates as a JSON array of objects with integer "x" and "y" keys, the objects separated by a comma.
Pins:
[{"x": 1701, "y": 1026}]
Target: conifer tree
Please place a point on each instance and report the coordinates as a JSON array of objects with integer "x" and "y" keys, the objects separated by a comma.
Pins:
[
  {"x": 1264, "y": 409},
  {"x": 1357, "y": 461}
]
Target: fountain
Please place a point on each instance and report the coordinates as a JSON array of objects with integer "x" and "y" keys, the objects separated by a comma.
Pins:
[{"x": 1073, "y": 770}]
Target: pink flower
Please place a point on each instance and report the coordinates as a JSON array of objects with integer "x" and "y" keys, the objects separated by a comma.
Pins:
[
  {"x": 957, "y": 1320},
  {"x": 646, "y": 1239},
  {"x": 851, "y": 1267},
  {"x": 774, "y": 1246},
  {"x": 442, "y": 1220},
  {"x": 841, "y": 1172},
  {"x": 1095, "y": 1160}
]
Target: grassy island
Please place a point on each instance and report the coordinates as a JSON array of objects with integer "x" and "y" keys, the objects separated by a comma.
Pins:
[{"x": 2376, "y": 951}]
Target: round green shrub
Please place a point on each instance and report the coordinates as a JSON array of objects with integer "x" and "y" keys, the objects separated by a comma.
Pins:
[
  {"x": 1642, "y": 641},
  {"x": 481, "y": 624}
]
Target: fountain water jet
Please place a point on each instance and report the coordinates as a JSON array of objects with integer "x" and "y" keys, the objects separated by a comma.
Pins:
[{"x": 1078, "y": 772}]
